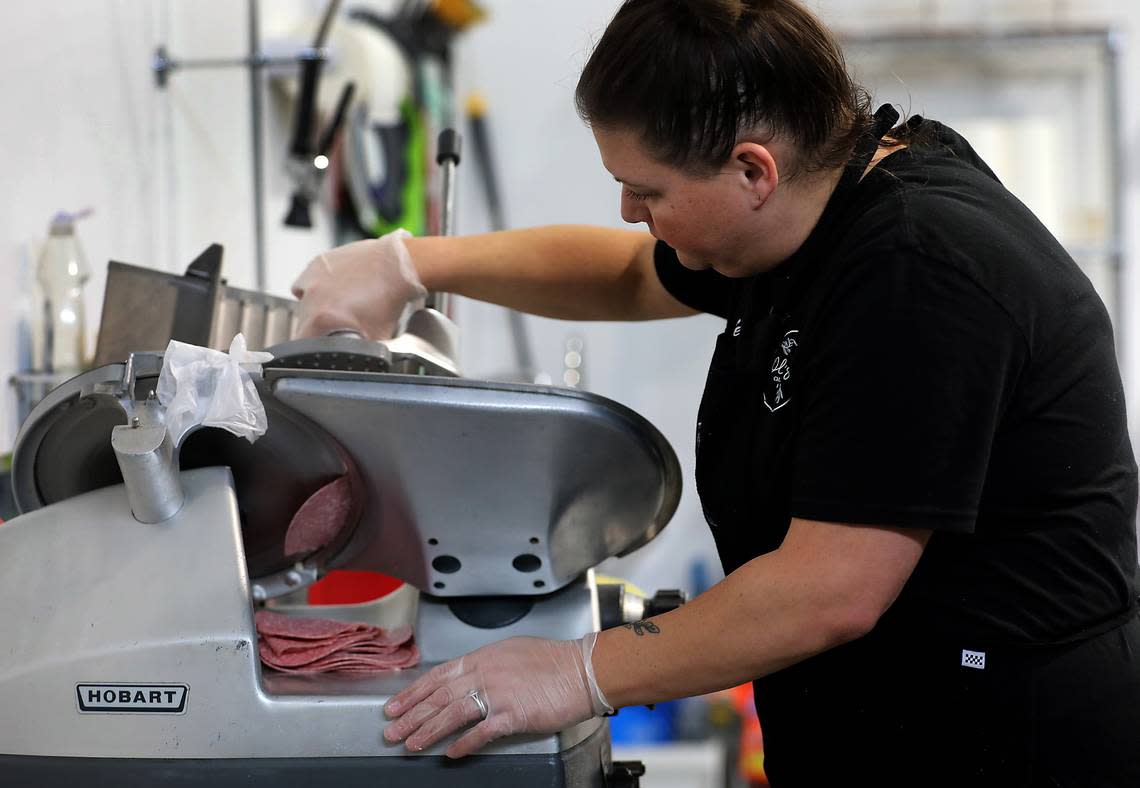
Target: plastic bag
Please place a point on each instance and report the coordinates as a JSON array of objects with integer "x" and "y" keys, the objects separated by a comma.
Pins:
[{"x": 198, "y": 385}]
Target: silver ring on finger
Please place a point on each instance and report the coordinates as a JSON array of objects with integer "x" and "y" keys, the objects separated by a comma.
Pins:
[{"x": 475, "y": 696}]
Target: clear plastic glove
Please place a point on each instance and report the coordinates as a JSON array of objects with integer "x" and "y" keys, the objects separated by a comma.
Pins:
[
  {"x": 198, "y": 385},
  {"x": 520, "y": 685},
  {"x": 362, "y": 286}
]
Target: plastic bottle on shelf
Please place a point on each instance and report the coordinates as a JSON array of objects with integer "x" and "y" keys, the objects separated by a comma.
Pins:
[{"x": 62, "y": 272}]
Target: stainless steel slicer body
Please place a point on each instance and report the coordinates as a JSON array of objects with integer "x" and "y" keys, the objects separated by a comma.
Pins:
[{"x": 126, "y": 608}]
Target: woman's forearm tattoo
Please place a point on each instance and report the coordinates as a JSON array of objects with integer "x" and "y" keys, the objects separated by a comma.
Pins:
[{"x": 641, "y": 627}]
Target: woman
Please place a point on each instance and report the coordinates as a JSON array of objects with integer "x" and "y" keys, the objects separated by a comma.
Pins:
[{"x": 912, "y": 449}]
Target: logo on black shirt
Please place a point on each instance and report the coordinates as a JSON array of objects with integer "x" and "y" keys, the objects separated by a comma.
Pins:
[{"x": 776, "y": 394}]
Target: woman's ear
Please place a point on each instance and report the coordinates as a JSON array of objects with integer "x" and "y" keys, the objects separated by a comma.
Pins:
[{"x": 758, "y": 168}]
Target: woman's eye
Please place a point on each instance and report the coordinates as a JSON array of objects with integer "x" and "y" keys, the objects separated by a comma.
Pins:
[{"x": 631, "y": 194}]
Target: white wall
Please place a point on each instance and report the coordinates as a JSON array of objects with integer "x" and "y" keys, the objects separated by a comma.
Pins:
[
  {"x": 167, "y": 172},
  {"x": 78, "y": 128}
]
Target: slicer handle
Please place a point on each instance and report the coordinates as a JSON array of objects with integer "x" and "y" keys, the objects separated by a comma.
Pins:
[
  {"x": 448, "y": 147},
  {"x": 664, "y": 601},
  {"x": 447, "y": 157},
  {"x": 149, "y": 465},
  {"x": 625, "y": 774}
]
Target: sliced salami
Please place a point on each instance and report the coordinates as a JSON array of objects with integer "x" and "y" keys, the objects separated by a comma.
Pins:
[
  {"x": 292, "y": 644},
  {"x": 359, "y": 664},
  {"x": 297, "y": 628},
  {"x": 320, "y": 518}
]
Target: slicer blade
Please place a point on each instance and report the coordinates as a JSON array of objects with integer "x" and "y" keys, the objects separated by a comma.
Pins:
[{"x": 64, "y": 449}]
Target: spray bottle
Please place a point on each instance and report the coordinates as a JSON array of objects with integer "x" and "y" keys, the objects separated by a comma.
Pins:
[{"x": 61, "y": 274}]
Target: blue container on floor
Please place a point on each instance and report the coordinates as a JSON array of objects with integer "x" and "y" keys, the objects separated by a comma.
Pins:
[{"x": 641, "y": 725}]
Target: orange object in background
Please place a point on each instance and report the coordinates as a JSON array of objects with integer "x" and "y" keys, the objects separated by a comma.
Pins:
[
  {"x": 751, "y": 762},
  {"x": 351, "y": 587}
]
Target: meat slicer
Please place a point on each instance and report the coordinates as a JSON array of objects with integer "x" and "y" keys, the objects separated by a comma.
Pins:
[{"x": 128, "y": 654}]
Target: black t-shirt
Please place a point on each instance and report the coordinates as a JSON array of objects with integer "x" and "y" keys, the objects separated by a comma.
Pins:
[{"x": 932, "y": 358}]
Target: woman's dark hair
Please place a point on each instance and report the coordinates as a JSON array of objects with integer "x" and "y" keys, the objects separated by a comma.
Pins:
[{"x": 689, "y": 77}]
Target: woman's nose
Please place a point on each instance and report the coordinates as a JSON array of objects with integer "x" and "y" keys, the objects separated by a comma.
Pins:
[{"x": 633, "y": 211}]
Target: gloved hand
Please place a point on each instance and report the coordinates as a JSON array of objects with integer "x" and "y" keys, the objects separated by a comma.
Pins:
[
  {"x": 362, "y": 286},
  {"x": 520, "y": 685}
]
